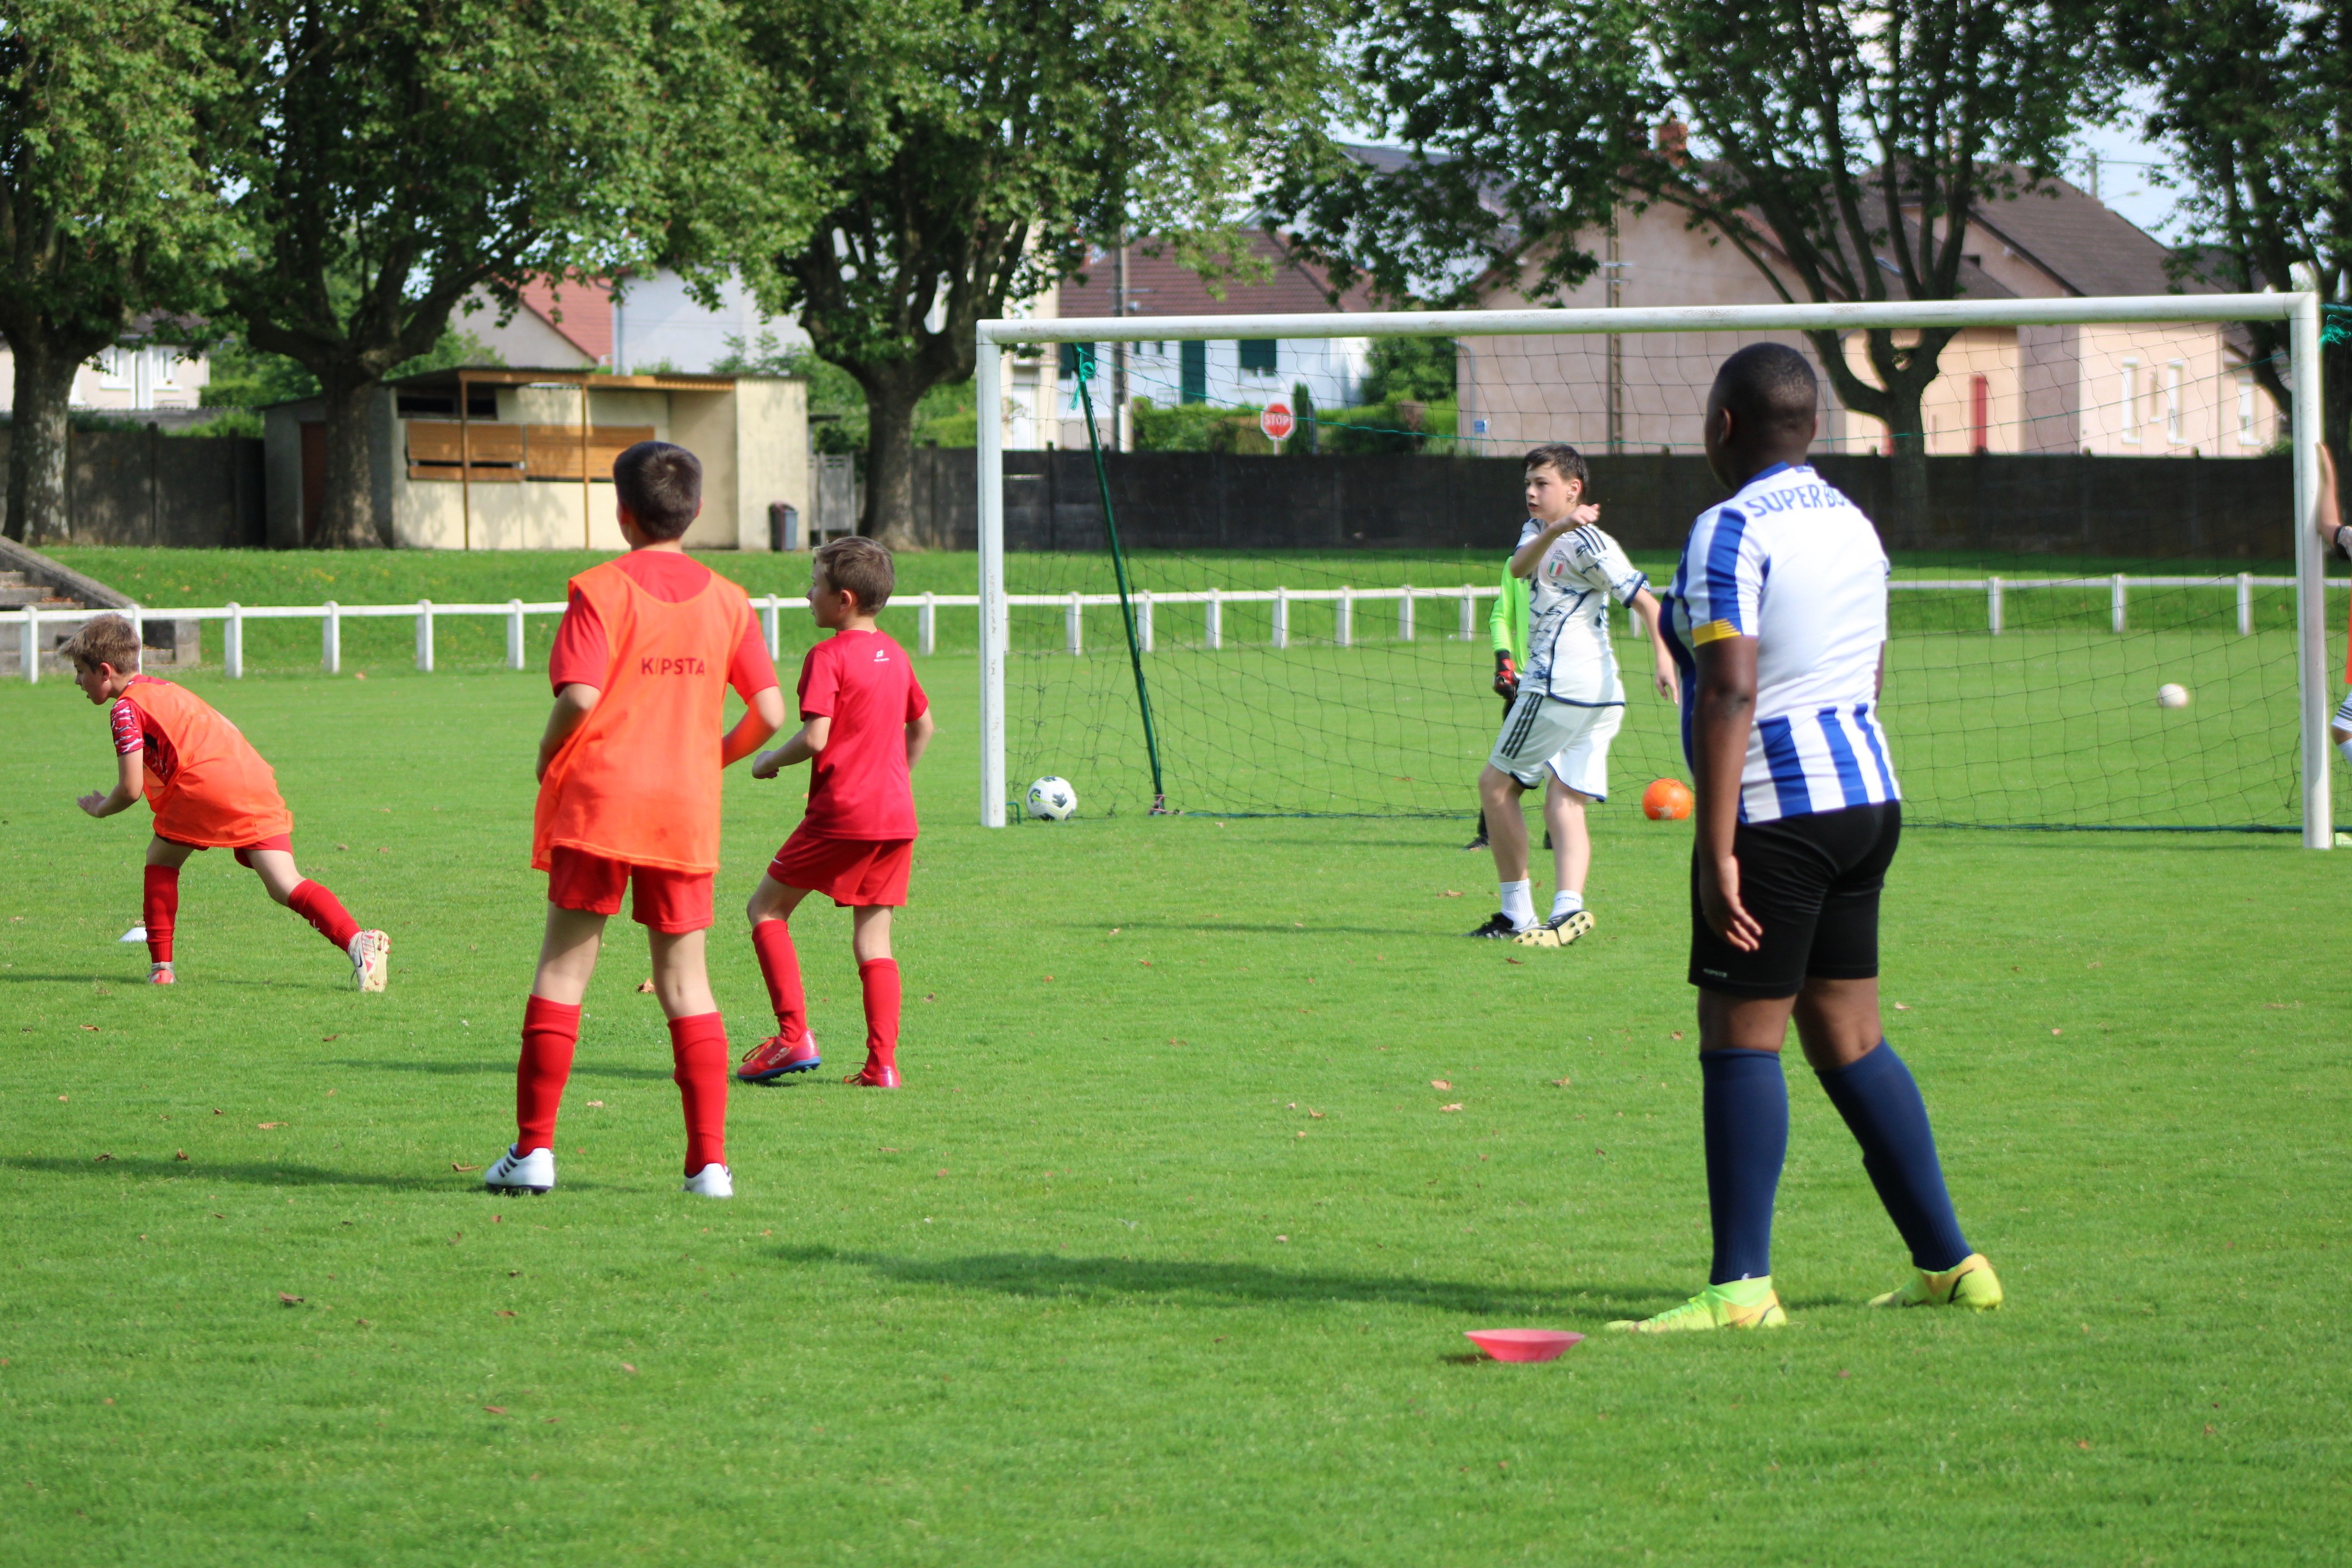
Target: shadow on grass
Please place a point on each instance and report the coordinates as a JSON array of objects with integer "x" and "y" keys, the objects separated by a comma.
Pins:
[
  {"x": 250, "y": 1173},
  {"x": 495, "y": 1069},
  {"x": 1113, "y": 1281}
]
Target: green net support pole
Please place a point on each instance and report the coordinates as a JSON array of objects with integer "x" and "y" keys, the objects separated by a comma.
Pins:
[{"x": 1118, "y": 566}]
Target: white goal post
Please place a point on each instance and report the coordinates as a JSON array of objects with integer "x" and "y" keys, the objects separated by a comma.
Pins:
[{"x": 2300, "y": 309}]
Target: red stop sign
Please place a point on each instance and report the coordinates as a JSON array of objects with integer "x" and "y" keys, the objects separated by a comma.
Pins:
[{"x": 1276, "y": 421}]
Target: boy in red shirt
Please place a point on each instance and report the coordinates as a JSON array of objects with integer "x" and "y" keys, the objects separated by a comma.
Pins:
[
  {"x": 864, "y": 722},
  {"x": 209, "y": 790},
  {"x": 629, "y": 779}
]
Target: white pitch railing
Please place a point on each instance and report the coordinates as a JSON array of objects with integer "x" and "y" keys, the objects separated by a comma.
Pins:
[{"x": 330, "y": 615}]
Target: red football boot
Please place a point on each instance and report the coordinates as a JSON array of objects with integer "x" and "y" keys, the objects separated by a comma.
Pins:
[
  {"x": 873, "y": 1077},
  {"x": 774, "y": 1056}
]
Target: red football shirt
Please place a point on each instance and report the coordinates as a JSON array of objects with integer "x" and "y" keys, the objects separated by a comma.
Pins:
[
  {"x": 858, "y": 786},
  {"x": 583, "y": 655}
]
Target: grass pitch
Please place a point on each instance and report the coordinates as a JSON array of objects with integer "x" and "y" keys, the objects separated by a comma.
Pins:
[{"x": 1083, "y": 1292}]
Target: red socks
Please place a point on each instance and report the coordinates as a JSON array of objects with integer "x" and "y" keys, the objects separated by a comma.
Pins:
[
  {"x": 699, "y": 1045},
  {"x": 879, "y": 977},
  {"x": 326, "y": 912},
  {"x": 780, "y": 964},
  {"x": 551, "y": 1031},
  {"x": 159, "y": 909}
]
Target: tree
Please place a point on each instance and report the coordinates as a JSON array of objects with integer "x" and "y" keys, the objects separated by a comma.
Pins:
[
  {"x": 105, "y": 222},
  {"x": 391, "y": 157},
  {"x": 1840, "y": 145},
  {"x": 2255, "y": 102},
  {"x": 975, "y": 151}
]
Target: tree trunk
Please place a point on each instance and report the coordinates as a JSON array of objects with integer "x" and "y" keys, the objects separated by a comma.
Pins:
[
  {"x": 890, "y": 464},
  {"x": 36, "y": 447},
  {"x": 1908, "y": 493},
  {"x": 347, "y": 520}
]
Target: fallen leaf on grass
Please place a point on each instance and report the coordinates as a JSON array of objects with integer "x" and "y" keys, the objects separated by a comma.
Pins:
[
  {"x": 1678, "y": 1033},
  {"x": 1512, "y": 960},
  {"x": 1439, "y": 1083},
  {"x": 627, "y": 1368},
  {"x": 504, "y": 1313},
  {"x": 286, "y": 1301},
  {"x": 455, "y": 1166},
  {"x": 362, "y": 1322},
  {"x": 645, "y": 987},
  {"x": 1302, "y": 1133},
  {"x": 216, "y": 1110},
  {"x": 384, "y": 848},
  {"x": 2057, "y": 1031},
  {"x": 931, "y": 995},
  {"x": 597, "y": 1105},
  {"x": 266, "y": 1126},
  {"x": 1317, "y": 1114},
  {"x": 1282, "y": 1238},
  {"x": 61, "y": 1099},
  {"x": 1903, "y": 1006},
  {"x": 1450, "y": 893},
  {"x": 92, "y": 1028},
  {"x": 1049, "y": 977},
  {"x": 324, "y": 1038},
  {"x": 1561, "y": 1083},
  {"x": 1455, "y": 1106},
  {"x": 220, "y": 1216},
  {"x": 495, "y": 1409},
  {"x": 342, "y": 847},
  {"x": 2082, "y": 1444},
  {"x": 106, "y": 1156},
  {"x": 179, "y": 1154}
]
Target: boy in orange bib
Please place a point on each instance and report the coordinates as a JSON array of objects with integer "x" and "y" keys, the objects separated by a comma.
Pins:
[
  {"x": 209, "y": 789},
  {"x": 864, "y": 722},
  {"x": 628, "y": 793}
]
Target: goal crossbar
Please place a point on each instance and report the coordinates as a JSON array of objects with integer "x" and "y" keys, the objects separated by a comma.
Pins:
[{"x": 2300, "y": 309}]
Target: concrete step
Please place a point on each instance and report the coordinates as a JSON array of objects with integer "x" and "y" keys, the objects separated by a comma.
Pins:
[{"x": 15, "y": 596}]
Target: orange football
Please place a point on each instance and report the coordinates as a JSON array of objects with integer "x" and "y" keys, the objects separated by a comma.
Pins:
[{"x": 1666, "y": 800}]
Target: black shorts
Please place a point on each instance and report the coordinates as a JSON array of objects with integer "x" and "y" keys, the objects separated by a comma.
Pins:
[{"x": 1812, "y": 883}]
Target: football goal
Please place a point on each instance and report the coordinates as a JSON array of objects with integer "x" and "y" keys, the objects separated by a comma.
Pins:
[{"x": 2109, "y": 612}]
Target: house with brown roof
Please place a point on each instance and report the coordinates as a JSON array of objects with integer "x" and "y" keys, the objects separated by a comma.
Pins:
[
  {"x": 1228, "y": 372},
  {"x": 2112, "y": 391}
]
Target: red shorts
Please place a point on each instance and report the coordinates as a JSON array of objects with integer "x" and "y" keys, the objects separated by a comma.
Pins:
[
  {"x": 855, "y": 873},
  {"x": 244, "y": 852},
  {"x": 672, "y": 902}
]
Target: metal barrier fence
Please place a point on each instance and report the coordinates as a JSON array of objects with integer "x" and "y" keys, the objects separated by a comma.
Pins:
[{"x": 1404, "y": 597}]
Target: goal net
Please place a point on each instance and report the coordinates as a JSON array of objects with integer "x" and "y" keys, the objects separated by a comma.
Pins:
[{"x": 2113, "y": 513}]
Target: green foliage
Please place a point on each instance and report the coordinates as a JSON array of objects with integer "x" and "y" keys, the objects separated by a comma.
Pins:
[
  {"x": 2248, "y": 97},
  {"x": 1418, "y": 369},
  {"x": 948, "y": 415},
  {"x": 227, "y": 422},
  {"x": 974, "y": 155},
  {"x": 386, "y": 162},
  {"x": 1195, "y": 428},
  {"x": 243, "y": 376},
  {"x": 1306, "y": 440},
  {"x": 1394, "y": 424}
]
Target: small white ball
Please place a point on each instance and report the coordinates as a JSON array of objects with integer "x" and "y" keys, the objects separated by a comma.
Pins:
[
  {"x": 2170, "y": 695},
  {"x": 1052, "y": 799}
]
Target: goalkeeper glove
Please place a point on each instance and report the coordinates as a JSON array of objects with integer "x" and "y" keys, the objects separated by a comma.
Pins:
[{"x": 1507, "y": 675}]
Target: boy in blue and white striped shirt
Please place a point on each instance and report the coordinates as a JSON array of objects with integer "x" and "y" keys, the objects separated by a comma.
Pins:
[{"x": 1777, "y": 617}]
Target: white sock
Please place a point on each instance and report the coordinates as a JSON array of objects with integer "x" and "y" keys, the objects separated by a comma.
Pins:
[
  {"x": 1566, "y": 903},
  {"x": 1519, "y": 902}
]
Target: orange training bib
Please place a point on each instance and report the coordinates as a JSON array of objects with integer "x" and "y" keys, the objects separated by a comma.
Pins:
[{"x": 221, "y": 794}]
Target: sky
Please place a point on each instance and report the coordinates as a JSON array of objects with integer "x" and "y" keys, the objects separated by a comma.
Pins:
[{"x": 2124, "y": 183}]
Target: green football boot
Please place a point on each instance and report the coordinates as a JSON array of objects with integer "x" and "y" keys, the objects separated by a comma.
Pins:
[
  {"x": 1736, "y": 1304},
  {"x": 1969, "y": 1283}
]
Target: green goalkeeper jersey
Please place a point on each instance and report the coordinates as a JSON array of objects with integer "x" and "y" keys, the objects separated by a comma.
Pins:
[{"x": 1508, "y": 622}]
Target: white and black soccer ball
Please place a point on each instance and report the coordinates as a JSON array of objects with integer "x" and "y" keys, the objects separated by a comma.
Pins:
[
  {"x": 1052, "y": 799},
  {"x": 2170, "y": 695}
]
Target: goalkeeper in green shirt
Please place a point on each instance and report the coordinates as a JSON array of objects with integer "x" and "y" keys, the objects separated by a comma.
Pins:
[{"x": 1508, "y": 625}]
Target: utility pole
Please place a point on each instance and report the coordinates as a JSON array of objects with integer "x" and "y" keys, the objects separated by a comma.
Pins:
[
  {"x": 2095, "y": 174},
  {"x": 1119, "y": 348},
  {"x": 1615, "y": 271}
]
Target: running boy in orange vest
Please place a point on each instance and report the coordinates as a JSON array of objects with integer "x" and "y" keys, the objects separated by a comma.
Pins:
[
  {"x": 628, "y": 793},
  {"x": 209, "y": 790},
  {"x": 864, "y": 722}
]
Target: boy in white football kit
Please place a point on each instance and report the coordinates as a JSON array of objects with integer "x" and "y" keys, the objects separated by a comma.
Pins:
[{"x": 1570, "y": 700}]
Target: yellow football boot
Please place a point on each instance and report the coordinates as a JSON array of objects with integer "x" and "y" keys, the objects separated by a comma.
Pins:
[
  {"x": 1969, "y": 1283},
  {"x": 1736, "y": 1304}
]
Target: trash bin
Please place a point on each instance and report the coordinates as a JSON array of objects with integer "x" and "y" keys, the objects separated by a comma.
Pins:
[{"x": 783, "y": 526}]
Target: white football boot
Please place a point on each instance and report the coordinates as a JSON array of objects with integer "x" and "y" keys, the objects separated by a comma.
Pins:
[
  {"x": 370, "y": 953},
  {"x": 710, "y": 1182},
  {"x": 513, "y": 1173}
]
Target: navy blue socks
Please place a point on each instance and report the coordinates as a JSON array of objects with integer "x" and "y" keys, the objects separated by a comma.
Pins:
[
  {"x": 1747, "y": 1120},
  {"x": 1882, "y": 1108}
]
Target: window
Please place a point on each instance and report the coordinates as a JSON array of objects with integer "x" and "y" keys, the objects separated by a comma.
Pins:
[
  {"x": 2131, "y": 401},
  {"x": 114, "y": 369},
  {"x": 2246, "y": 437},
  {"x": 1257, "y": 356},
  {"x": 2173, "y": 375},
  {"x": 1193, "y": 369},
  {"x": 167, "y": 364}
]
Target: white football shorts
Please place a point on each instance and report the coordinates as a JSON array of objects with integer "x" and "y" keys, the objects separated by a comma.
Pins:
[{"x": 1570, "y": 740}]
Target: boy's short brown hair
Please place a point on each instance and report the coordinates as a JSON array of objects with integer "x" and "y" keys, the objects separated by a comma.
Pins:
[
  {"x": 1560, "y": 458},
  {"x": 661, "y": 484},
  {"x": 103, "y": 639},
  {"x": 858, "y": 566}
]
